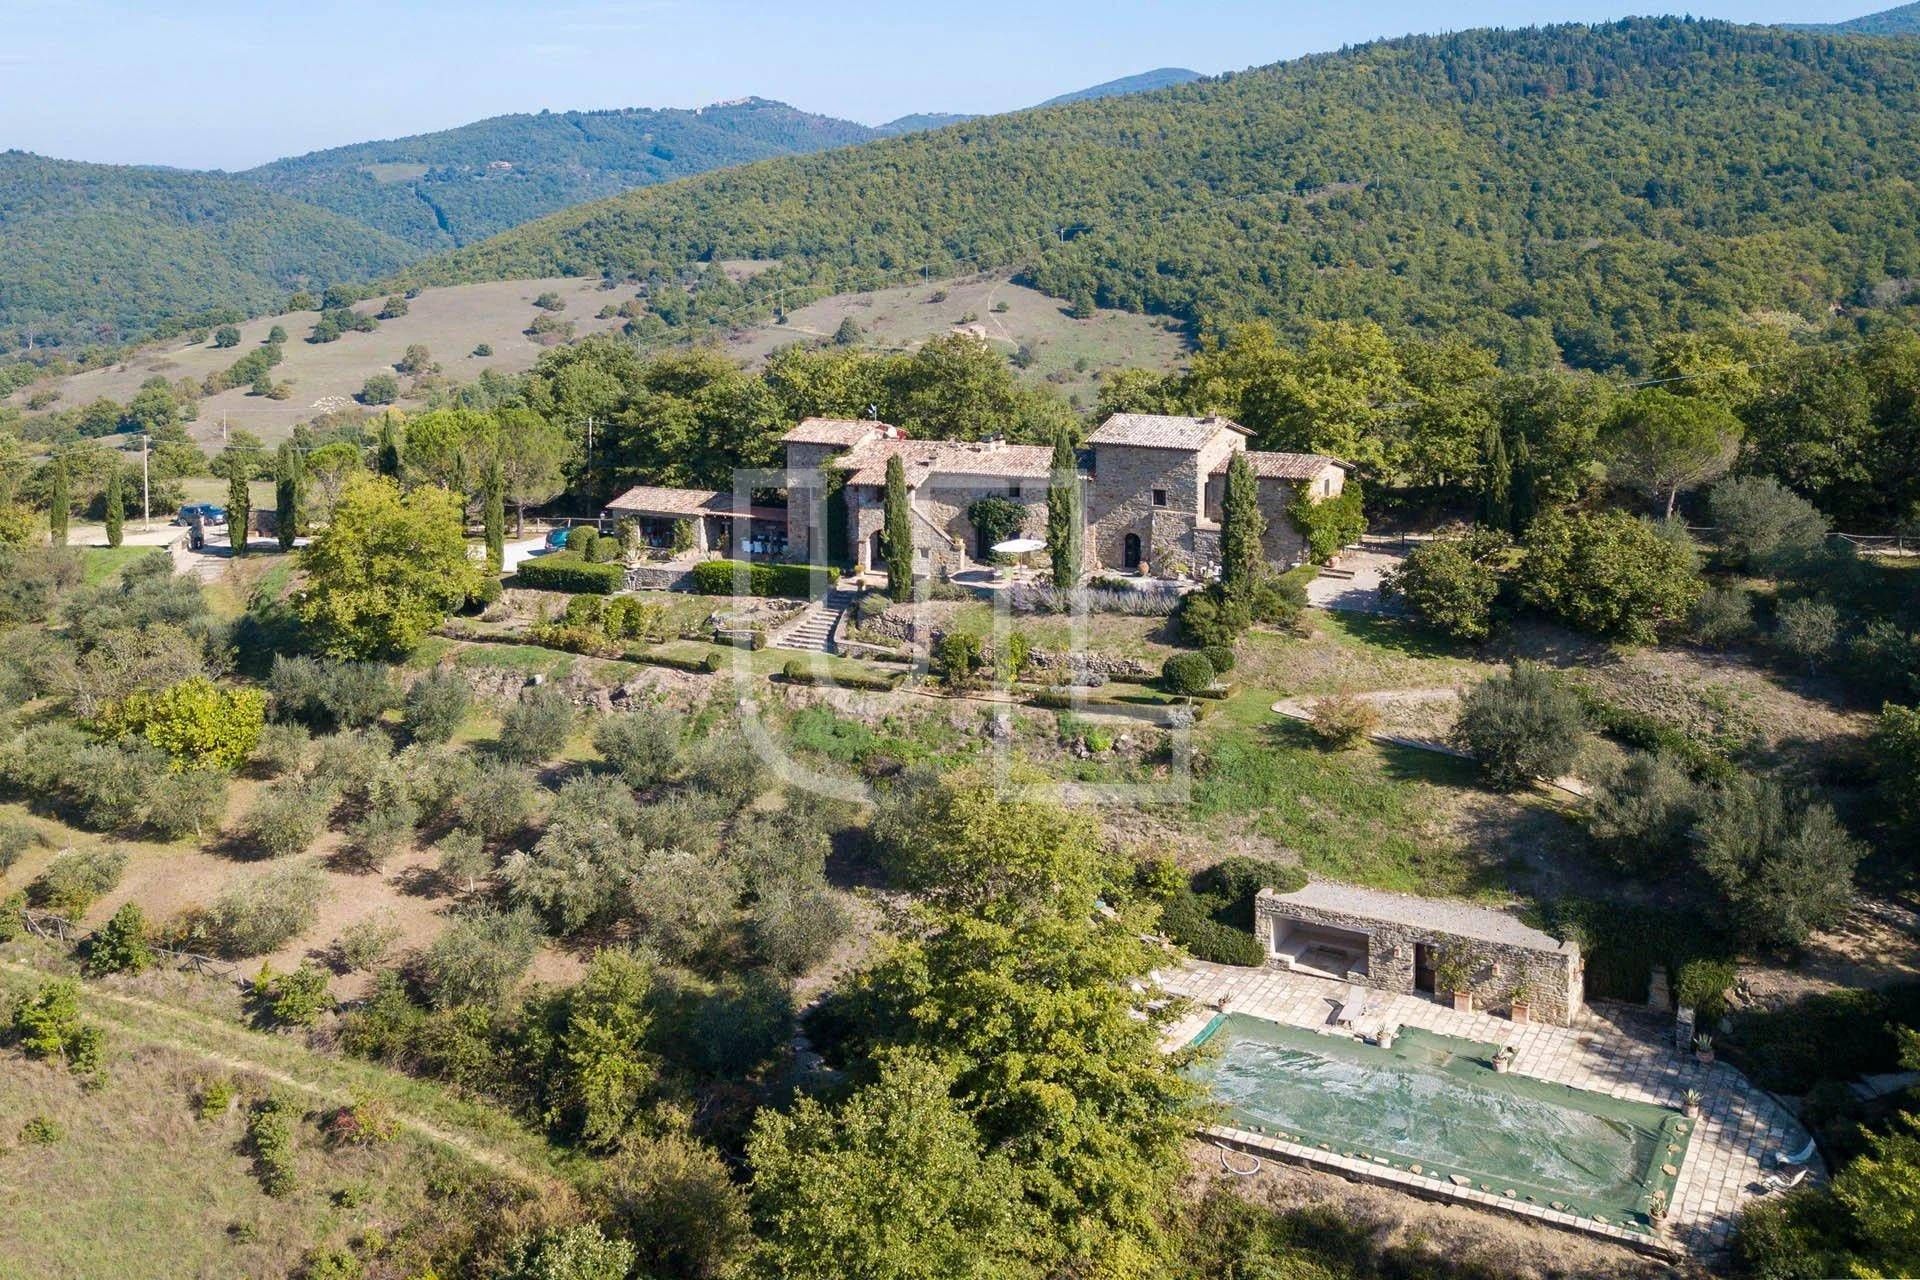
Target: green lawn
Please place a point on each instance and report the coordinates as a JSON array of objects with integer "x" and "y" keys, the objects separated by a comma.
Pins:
[{"x": 99, "y": 564}]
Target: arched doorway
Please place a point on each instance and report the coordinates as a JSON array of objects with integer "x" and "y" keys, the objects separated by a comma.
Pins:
[
  {"x": 877, "y": 550},
  {"x": 1130, "y": 552}
]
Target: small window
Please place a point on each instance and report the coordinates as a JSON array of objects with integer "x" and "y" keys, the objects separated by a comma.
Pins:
[
  {"x": 1159, "y": 497},
  {"x": 1013, "y": 491},
  {"x": 1326, "y": 486}
]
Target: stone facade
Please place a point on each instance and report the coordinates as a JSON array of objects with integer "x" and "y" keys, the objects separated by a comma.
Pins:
[
  {"x": 1396, "y": 943},
  {"x": 805, "y": 488},
  {"x": 1151, "y": 492},
  {"x": 945, "y": 540}
]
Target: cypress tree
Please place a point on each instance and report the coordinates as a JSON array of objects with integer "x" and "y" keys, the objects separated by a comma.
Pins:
[
  {"x": 58, "y": 502},
  {"x": 116, "y": 506},
  {"x": 392, "y": 455},
  {"x": 1526, "y": 497},
  {"x": 1064, "y": 532},
  {"x": 494, "y": 513},
  {"x": 1241, "y": 529},
  {"x": 239, "y": 506},
  {"x": 896, "y": 539},
  {"x": 288, "y": 473},
  {"x": 1496, "y": 481}
]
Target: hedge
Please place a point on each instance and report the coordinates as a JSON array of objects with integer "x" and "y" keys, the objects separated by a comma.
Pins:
[
  {"x": 564, "y": 571},
  {"x": 708, "y": 665},
  {"x": 1063, "y": 700},
  {"x": 792, "y": 581},
  {"x": 798, "y": 671},
  {"x": 751, "y": 641},
  {"x": 1189, "y": 920}
]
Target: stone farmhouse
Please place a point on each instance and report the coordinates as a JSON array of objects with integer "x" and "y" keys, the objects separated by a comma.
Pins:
[{"x": 1151, "y": 490}]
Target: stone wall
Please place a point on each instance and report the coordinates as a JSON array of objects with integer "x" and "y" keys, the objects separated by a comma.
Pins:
[
  {"x": 804, "y": 484},
  {"x": 659, "y": 577},
  {"x": 1553, "y": 977},
  {"x": 1282, "y": 542},
  {"x": 1119, "y": 501}
]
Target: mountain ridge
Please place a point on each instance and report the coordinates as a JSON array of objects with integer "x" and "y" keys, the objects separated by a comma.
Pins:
[
  {"x": 1904, "y": 20},
  {"x": 1562, "y": 192}
]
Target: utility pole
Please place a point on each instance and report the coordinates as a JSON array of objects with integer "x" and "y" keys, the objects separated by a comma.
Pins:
[{"x": 146, "y": 495}]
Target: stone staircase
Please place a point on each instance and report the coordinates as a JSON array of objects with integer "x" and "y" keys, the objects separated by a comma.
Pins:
[{"x": 812, "y": 632}]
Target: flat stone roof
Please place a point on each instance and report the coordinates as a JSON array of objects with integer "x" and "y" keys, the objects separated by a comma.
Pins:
[{"x": 1462, "y": 919}]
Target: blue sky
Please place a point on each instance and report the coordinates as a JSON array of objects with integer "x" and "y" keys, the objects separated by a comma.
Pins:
[{"x": 220, "y": 83}]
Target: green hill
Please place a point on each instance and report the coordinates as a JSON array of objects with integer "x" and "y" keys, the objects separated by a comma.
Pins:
[
  {"x": 438, "y": 190},
  {"x": 93, "y": 252},
  {"x": 1903, "y": 21},
  {"x": 1579, "y": 188},
  {"x": 1145, "y": 82}
]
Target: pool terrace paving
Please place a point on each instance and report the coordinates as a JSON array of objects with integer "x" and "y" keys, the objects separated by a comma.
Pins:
[{"x": 1610, "y": 1051}]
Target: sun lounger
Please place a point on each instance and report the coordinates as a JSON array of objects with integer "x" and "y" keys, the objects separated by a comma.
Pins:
[
  {"x": 1353, "y": 1005},
  {"x": 1782, "y": 1159}
]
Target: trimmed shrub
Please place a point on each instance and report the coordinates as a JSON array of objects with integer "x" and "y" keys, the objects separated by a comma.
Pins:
[
  {"x": 583, "y": 540},
  {"x": 1187, "y": 674},
  {"x": 1221, "y": 656},
  {"x": 1703, "y": 985},
  {"x": 566, "y": 572}
]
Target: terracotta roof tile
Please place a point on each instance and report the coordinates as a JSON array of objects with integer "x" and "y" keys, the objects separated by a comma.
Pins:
[
  {"x": 1283, "y": 466},
  {"x": 924, "y": 458},
  {"x": 840, "y": 431}
]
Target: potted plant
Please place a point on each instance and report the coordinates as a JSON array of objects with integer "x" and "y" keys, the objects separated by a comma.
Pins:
[
  {"x": 1703, "y": 1048},
  {"x": 1520, "y": 1000},
  {"x": 1503, "y": 1059},
  {"x": 1454, "y": 974},
  {"x": 1690, "y": 1103},
  {"x": 1657, "y": 1210}
]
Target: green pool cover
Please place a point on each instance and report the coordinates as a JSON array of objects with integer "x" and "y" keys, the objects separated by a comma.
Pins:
[{"x": 1437, "y": 1102}]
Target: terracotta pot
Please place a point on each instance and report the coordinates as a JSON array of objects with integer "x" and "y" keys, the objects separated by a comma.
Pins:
[
  {"x": 1463, "y": 1001},
  {"x": 1704, "y": 1056},
  {"x": 1522, "y": 1012}
]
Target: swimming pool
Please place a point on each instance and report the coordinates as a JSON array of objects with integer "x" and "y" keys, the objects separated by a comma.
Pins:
[{"x": 1433, "y": 1105}]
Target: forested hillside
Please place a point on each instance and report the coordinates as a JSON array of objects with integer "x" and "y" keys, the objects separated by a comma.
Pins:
[
  {"x": 1902, "y": 21},
  {"x": 438, "y": 190},
  {"x": 1566, "y": 191},
  {"x": 1145, "y": 82},
  {"x": 92, "y": 253}
]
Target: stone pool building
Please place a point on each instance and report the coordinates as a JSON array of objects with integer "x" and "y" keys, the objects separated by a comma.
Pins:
[{"x": 1400, "y": 943}]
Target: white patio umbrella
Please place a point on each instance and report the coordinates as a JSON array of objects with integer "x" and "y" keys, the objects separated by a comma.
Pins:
[{"x": 1019, "y": 547}]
